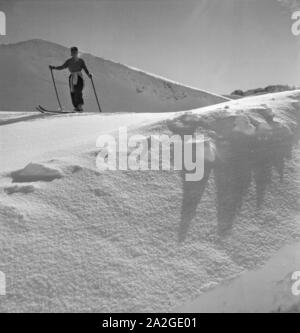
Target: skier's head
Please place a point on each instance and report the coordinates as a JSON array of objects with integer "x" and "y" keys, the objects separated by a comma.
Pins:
[{"x": 74, "y": 52}]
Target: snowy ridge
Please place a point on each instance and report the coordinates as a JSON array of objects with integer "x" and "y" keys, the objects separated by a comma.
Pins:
[
  {"x": 120, "y": 88},
  {"x": 95, "y": 241}
]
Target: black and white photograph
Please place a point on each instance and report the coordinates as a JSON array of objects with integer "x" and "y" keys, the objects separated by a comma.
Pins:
[{"x": 149, "y": 158}]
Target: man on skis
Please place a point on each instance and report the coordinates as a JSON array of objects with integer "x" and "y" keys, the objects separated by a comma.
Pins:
[{"x": 76, "y": 82}]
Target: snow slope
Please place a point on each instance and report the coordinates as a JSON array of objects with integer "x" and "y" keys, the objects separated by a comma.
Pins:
[
  {"x": 120, "y": 88},
  {"x": 89, "y": 240},
  {"x": 268, "y": 289}
]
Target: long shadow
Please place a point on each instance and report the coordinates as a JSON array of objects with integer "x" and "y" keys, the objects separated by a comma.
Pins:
[
  {"x": 247, "y": 160},
  {"x": 270, "y": 154},
  {"x": 192, "y": 190},
  {"x": 20, "y": 119},
  {"x": 232, "y": 176},
  {"x": 241, "y": 160},
  {"x": 192, "y": 195}
]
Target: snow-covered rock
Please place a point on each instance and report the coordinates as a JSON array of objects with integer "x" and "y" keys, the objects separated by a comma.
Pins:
[{"x": 34, "y": 172}]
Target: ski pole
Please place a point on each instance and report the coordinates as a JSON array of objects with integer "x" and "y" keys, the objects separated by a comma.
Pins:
[
  {"x": 96, "y": 94},
  {"x": 55, "y": 88}
]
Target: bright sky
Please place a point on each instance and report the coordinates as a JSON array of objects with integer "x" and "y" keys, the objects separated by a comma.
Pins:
[{"x": 217, "y": 45}]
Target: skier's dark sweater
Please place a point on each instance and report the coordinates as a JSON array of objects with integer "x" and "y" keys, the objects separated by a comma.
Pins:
[{"x": 74, "y": 66}]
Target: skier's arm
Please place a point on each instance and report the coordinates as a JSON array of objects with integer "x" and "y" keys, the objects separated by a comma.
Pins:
[
  {"x": 85, "y": 69},
  {"x": 63, "y": 66}
]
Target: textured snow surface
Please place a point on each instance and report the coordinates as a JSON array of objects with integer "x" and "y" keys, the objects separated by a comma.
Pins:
[{"x": 145, "y": 240}]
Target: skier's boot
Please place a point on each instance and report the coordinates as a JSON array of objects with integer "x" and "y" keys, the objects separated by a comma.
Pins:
[{"x": 79, "y": 108}]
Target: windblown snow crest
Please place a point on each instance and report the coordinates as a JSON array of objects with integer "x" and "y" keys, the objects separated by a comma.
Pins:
[{"x": 245, "y": 143}]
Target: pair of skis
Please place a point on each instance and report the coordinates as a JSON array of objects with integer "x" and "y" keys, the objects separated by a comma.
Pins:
[
  {"x": 44, "y": 110},
  {"x": 61, "y": 111}
]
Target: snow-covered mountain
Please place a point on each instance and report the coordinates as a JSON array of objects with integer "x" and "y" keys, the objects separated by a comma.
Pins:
[
  {"x": 26, "y": 82},
  {"x": 74, "y": 238}
]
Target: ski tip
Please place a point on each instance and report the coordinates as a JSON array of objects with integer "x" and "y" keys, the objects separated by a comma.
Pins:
[
  {"x": 44, "y": 110},
  {"x": 38, "y": 109}
]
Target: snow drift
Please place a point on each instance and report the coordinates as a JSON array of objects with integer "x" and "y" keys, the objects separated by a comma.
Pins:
[
  {"x": 28, "y": 83},
  {"x": 145, "y": 240}
]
